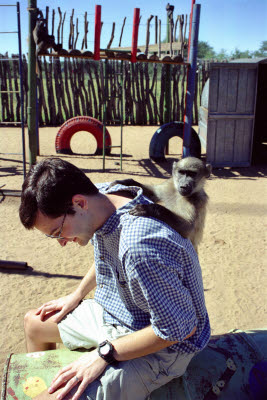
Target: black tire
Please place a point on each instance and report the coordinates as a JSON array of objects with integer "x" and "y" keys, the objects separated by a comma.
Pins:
[{"x": 162, "y": 135}]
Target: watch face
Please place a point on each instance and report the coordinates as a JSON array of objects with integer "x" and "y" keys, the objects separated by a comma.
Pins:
[{"x": 105, "y": 349}]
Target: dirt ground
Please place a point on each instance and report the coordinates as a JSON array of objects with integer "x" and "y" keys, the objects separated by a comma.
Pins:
[{"x": 232, "y": 254}]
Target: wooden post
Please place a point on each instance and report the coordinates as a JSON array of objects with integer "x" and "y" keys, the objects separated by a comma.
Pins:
[
  {"x": 135, "y": 34},
  {"x": 84, "y": 43},
  {"x": 167, "y": 97},
  {"x": 190, "y": 29},
  {"x": 190, "y": 93},
  {"x": 148, "y": 33},
  {"x": 112, "y": 35},
  {"x": 97, "y": 32},
  {"x": 13, "y": 264},
  {"x": 122, "y": 31},
  {"x": 59, "y": 25},
  {"x": 156, "y": 29},
  {"x": 159, "y": 42},
  {"x": 31, "y": 109}
]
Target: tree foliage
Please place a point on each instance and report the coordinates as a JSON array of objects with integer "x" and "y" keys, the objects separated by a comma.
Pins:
[
  {"x": 205, "y": 51},
  {"x": 262, "y": 51}
]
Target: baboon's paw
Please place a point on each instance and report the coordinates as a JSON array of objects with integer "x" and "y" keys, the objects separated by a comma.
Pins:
[{"x": 140, "y": 210}]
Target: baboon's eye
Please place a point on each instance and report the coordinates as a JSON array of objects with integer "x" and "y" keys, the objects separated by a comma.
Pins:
[{"x": 192, "y": 174}]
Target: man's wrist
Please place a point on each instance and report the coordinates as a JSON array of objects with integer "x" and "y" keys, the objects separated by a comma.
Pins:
[
  {"x": 106, "y": 352},
  {"x": 78, "y": 293}
]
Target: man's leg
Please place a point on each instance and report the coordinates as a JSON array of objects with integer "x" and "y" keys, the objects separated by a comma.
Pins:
[
  {"x": 132, "y": 380},
  {"x": 121, "y": 382},
  {"x": 40, "y": 335}
]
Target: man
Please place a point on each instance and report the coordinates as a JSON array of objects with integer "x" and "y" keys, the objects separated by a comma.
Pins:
[{"x": 148, "y": 317}]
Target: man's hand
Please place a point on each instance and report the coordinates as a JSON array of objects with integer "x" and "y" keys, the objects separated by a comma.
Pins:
[
  {"x": 61, "y": 306},
  {"x": 83, "y": 371}
]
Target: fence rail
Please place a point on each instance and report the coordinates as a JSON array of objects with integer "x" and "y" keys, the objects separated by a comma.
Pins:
[{"x": 73, "y": 87}]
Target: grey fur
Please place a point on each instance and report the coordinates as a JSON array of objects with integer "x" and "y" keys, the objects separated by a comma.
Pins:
[{"x": 181, "y": 200}]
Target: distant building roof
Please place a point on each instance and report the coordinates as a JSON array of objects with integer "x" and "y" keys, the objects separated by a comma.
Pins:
[{"x": 259, "y": 60}]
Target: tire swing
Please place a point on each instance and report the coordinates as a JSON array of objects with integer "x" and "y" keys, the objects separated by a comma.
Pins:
[
  {"x": 162, "y": 135},
  {"x": 77, "y": 124}
]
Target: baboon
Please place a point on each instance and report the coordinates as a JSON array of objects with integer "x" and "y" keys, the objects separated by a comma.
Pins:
[
  {"x": 42, "y": 39},
  {"x": 182, "y": 197}
]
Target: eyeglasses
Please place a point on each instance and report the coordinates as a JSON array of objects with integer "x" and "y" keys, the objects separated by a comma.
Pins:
[{"x": 61, "y": 228}]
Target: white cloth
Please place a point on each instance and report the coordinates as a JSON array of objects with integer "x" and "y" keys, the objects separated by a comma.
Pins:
[{"x": 85, "y": 328}]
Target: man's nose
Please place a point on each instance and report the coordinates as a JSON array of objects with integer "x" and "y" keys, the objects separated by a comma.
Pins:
[{"x": 62, "y": 242}]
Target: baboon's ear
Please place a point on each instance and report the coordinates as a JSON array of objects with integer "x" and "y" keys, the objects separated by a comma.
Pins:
[
  {"x": 208, "y": 170},
  {"x": 174, "y": 166}
]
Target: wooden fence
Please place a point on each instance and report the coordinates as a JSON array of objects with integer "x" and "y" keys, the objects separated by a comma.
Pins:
[{"x": 74, "y": 87}]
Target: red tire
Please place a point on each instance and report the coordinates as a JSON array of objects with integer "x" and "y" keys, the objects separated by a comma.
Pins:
[{"x": 77, "y": 124}]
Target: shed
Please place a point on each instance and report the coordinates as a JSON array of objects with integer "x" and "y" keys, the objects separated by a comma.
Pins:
[{"x": 233, "y": 112}]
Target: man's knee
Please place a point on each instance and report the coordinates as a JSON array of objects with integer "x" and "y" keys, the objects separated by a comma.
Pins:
[{"x": 31, "y": 324}]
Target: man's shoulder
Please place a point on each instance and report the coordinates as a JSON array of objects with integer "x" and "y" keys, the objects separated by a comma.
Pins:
[
  {"x": 150, "y": 242},
  {"x": 102, "y": 186},
  {"x": 106, "y": 189},
  {"x": 149, "y": 233}
]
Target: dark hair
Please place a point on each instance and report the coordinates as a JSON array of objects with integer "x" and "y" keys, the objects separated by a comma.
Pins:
[{"x": 49, "y": 187}]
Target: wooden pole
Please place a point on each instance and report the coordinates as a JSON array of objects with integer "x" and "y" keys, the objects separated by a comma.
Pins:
[
  {"x": 148, "y": 34},
  {"x": 59, "y": 25},
  {"x": 135, "y": 34},
  {"x": 190, "y": 28},
  {"x": 159, "y": 42},
  {"x": 156, "y": 29},
  {"x": 122, "y": 31},
  {"x": 167, "y": 97},
  {"x": 31, "y": 109},
  {"x": 112, "y": 35},
  {"x": 97, "y": 32},
  {"x": 13, "y": 264},
  {"x": 190, "y": 93}
]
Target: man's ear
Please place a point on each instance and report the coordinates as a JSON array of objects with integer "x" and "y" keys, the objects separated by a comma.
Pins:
[{"x": 79, "y": 200}]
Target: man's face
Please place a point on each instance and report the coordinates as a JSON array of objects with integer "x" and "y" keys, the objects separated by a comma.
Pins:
[{"x": 77, "y": 228}]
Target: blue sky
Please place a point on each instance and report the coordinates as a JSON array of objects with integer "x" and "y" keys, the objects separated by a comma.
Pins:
[{"x": 224, "y": 24}]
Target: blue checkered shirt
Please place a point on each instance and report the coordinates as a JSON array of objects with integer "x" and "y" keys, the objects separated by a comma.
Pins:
[{"x": 147, "y": 274}]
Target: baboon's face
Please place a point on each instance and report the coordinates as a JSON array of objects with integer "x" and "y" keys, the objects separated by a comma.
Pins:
[
  {"x": 189, "y": 175},
  {"x": 186, "y": 181}
]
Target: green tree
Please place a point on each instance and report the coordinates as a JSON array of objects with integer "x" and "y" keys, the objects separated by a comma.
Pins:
[
  {"x": 222, "y": 55},
  {"x": 241, "y": 54},
  {"x": 205, "y": 51},
  {"x": 262, "y": 52}
]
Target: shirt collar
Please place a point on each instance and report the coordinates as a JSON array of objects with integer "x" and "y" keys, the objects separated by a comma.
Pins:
[{"x": 113, "y": 221}]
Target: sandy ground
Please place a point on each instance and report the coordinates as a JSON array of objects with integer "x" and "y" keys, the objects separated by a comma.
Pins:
[{"x": 232, "y": 254}]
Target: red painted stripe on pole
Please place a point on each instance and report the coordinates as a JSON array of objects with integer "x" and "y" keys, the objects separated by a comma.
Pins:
[
  {"x": 135, "y": 34},
  {"x": 97, "y": 32}
]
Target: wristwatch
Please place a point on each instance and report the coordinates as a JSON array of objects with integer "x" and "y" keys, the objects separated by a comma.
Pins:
[{"x": 105, "y": 351}]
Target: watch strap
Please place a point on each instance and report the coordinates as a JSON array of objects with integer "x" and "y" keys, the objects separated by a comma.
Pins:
[{"x": 109, "y": 357}]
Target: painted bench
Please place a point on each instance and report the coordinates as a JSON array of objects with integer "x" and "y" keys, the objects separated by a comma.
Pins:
[{"x": 232, "y": 366}]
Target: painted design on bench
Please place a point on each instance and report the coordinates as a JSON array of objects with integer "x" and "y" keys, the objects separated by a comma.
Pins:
[
  {"x": 12, "y": 393},
  {"x": 33, "y": 386},
  {"x": 37, "y": 354}
]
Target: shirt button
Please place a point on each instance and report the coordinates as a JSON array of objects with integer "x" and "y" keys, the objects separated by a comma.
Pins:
[
  {"x": 101, "y": 285},
  {"x": 102, "y": 258}
]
